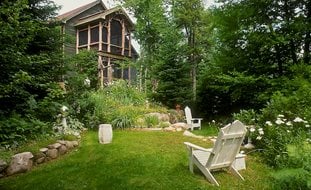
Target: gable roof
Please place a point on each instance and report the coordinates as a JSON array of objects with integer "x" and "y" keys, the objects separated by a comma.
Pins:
[
  {"x": 69, "y": 15},
  {"x": 103, "y": 14}
]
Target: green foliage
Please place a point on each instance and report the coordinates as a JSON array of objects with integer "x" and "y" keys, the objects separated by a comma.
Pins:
[
  {"x": 151, "y": 120},
  {"x": 79, "y": 68},
  {"x": 122, "y": 122},
  {"x": 291, "y": 179},
  {"x": 30, "y": 65},
  {"x": 73, "y": 127},
  {"x": 116, "y": 102},
  {"x": 248, "y": 117},
  {"x": 16, "y": 129}
]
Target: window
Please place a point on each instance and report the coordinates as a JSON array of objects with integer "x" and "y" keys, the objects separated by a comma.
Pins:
[
  {"x": 83, "y": 37},
  {"x": 94, "y": 34},
  {"x": 104, "y": 34},
  {"x": 116, "y": 33}
]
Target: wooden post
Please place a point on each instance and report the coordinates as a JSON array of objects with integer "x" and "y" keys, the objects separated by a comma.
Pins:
[
  {"x": 123, "y": 36},
  {"x": 100, "y": 28},
  {"x": 101, "y": 71},
  {"x": 88, "y": 37},
  {"x": 109, "y": 69},
  {"x": 130, "y": 44},
  {"x": 77, "y": 41}
]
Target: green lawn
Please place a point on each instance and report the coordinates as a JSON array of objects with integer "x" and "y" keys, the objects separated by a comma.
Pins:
[{"x": 134, "y": 160}]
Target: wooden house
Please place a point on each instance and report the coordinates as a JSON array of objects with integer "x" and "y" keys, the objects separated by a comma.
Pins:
[{"x": 107, "y": 31}]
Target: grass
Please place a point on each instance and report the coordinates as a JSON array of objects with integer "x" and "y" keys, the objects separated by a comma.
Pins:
[{"x": 134, "y": 160}]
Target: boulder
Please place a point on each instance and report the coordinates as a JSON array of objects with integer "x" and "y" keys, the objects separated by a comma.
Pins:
[
  {"x": 39, "y": 157},
  {"x": 40, "y": 160},
  {"x": 62, "y": 150},
  {"x": 160, "y": 116},
  {"x": 52, "y": 153},
  {"x": 3, "y": 165},
  {"x": 44, "y": 150},
  {"x": 20, "y": 163},
  {"x": 69, "y": 145},
  {"x": 75, "y": 143},
  {"x": 62, "y": 142},
  {"x": 180, "y": 125},
  {"x": 54, "y": 146},
  {"x": 171, "y": 129}
]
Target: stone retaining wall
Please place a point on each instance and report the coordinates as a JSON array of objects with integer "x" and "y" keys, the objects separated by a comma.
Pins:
[{"x": 24, "y": 161}]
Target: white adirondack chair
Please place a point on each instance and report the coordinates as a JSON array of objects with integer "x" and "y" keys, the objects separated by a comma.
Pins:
[
  {"x": 192, "y": 122},
  {"x": 222, "y": 155}
]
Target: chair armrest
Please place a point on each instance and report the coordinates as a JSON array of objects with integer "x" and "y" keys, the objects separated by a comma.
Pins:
[
  {"x": 194, "y": 119},
  {"x": 196, "y": 147}
]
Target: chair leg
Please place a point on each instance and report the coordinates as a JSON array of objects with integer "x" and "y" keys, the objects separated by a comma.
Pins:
[
  {"x": 210, "y": 177},
  {"x": 236, "y": 172},
  {"x": 206, "y": 173},
  {"x": 190, "y": 164}
]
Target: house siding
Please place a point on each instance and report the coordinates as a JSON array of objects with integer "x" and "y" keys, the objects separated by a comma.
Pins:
[{"x": 70, "y": 30}]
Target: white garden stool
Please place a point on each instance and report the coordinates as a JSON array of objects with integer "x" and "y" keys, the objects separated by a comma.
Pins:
[{"x": 105, "y": 133}]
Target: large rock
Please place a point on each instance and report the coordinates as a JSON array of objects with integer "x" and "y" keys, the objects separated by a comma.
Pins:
[
  {"x": 3, "y": 165},
  {"x": 75, "y": 143},
  {"x": 171, "y": 129},
  {"x": 180, "y": 125},
  {"x": 39, "y": 158},
  {"x": 20, "y": 163},
  {"x": 44, "y": 150},
  {"x": 62, "y": 150},
  {"x": 69, "y": 145},
  {"x": 54, "y": 146},
  {"x": 160, "y": 116},
  {"x": 52, "y": 153}
]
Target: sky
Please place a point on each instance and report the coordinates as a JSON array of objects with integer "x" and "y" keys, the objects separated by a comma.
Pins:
[{"x": 68, "y": 5}]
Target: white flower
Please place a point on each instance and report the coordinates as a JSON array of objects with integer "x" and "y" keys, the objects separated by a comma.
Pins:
[
  {"x": 289, "y": 123},
  {"x": 64, "y": 108},
  {"x": 213, "y": 121},
  {"x": 298, "y": 119},
  {"x": 87, "y": 82},
  {"x": 279, "y": 121},
  {"x": 280, "y": 115},
  {"x": 260, "y": 130},
  {"x": 307, "y": 126},
  {"x": 288, "y": 131},
  {"x": 252, "y": 129},
  {"x": 269, "y": 123},
  {"x": 259, "y": 137}
]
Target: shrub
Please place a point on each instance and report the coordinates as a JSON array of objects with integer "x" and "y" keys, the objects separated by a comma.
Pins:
[
  {"x": 16, "y": 130},
  {"x": 116, "y": 102},
  {"x": 151, "y": 121},
  {"x": 122, "y": 122},
  {"x": 291, "y": 179}
]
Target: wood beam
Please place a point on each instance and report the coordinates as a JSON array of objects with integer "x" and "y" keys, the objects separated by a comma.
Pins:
[
  {"x": 88, "y": 37},
  {"x": 77, "y": 41},
  {"x": 100, "y": 33}
]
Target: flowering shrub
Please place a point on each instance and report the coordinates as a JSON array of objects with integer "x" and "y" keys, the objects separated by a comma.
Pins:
[
  {"x": 274, "y": 136},
  {"x": 66, "y": 125}
]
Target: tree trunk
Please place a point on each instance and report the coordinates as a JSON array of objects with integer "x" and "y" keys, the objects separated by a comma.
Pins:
[
  {"x": 279, "y": 60},
  {"x": 306, "y": 53}
]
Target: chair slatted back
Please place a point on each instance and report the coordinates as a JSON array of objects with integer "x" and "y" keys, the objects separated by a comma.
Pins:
[
  {"x": 188, "y": 115},
  {"x": 227, "y": 145}
]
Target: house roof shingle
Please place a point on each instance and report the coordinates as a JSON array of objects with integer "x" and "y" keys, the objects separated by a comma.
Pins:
[{"x": 68, "y": 15}]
